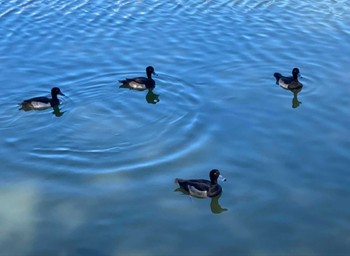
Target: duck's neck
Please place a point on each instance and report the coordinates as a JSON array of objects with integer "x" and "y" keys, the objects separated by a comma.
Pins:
[
  {"x": 295, "y": 77},
  {"x": 54, "y": 96}
]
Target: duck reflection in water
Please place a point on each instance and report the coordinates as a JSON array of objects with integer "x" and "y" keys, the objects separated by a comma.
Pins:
[
  {"x": 151, "y": 97},
  {"x": 295, "y": 101},
  {"x": 57, "y": 112},
  {"x": 215, "y": 206},
  {"x": 202, "y": 188}
]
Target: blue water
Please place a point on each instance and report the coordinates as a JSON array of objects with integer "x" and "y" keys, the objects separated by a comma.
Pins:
[{"x": 96, "y": 176}]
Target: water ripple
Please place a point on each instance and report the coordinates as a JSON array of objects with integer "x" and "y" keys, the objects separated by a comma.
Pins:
[
  {"x": 218, "y": 106},
  {"x": 102, "y": 121}
]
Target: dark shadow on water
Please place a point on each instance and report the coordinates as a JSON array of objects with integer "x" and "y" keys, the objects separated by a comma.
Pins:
[
  {"x": 215, "y": 206},
  {"x": 151, "y": 97},
  {"x": 56, "y": 110}
]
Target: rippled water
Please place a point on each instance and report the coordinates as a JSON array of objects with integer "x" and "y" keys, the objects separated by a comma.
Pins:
[{"x": 96, "y": 176}]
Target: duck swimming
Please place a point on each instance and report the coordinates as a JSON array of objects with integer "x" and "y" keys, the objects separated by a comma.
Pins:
[
  {"x": 42, "y": 102},
  {"x": 140, "y": 83},
  {"x": 289, "y": 83},
  {"x": 201, "y": 187}
]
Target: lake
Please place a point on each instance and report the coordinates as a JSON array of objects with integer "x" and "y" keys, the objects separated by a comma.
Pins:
[{"x": 95, "y": 176}]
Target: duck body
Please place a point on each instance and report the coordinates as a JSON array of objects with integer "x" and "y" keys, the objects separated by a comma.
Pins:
[
  {"x": 289, "y": 82},
  {"x": 140, "y": 83},
  {"x": 42, "y": 102},
  {"x": 201, "y": 187}
]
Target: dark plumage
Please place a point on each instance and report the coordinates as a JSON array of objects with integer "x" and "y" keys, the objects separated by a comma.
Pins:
[
  {"x": 201, "y": 187},
  {"x": 291, "y": 82},
  {"x": 42, "y": 102},
  {"x": 140, "y": 83}
]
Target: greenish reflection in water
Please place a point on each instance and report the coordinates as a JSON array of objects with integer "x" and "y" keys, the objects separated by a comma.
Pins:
[
  {"x": 295, "y": 101},
  {"x": 215, "y": 206},
  {"x": 56, "y": 110},
  {"x": 151, "y": 97}
]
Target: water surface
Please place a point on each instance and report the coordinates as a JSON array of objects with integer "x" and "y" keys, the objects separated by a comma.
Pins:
[{"x": 96, "y": 176}]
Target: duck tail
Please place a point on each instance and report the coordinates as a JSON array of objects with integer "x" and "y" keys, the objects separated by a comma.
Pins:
[
  {"x": 25, "y": 104},
  {"x": 277, "y": 76},
  {"x": 177, "y": 181},
  {"x": 124, "y": 83}
]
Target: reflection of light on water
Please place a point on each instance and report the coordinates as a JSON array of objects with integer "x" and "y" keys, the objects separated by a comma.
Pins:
[
  {"x": 19, "y": 204},
  {"x": 22, "y": 209}
]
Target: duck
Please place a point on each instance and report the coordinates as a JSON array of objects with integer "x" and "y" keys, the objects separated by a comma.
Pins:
[
  {"x": 140, "y": 83},
  {"x": 201, "y": 187},
  {"x": 290, "y": 82},
  {"x": 42, "y": 102}
]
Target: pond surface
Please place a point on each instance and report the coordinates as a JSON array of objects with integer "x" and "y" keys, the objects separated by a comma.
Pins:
[{"x": 96, "y": 175}]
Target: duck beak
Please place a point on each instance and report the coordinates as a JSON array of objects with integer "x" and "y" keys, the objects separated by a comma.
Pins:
[
  {"x": 154, "y": 73},
  {"x": 222, "y": 178},
  {"x": 60, "y": 93}
]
